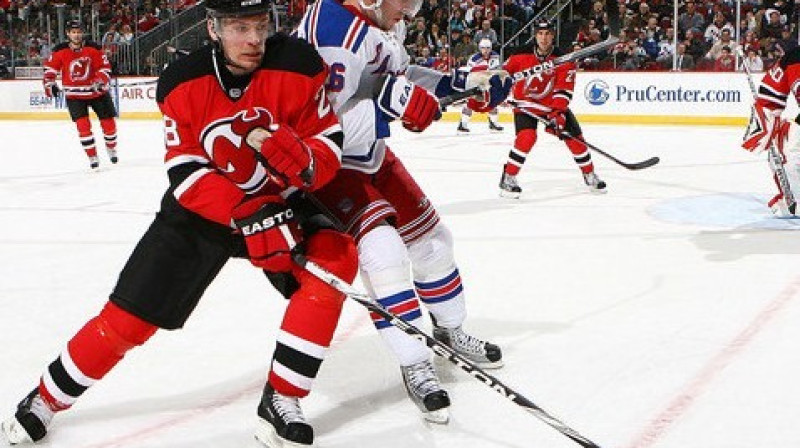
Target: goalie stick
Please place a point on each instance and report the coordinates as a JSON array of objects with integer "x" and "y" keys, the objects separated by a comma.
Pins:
[
  {"x": 774, "y": 157},
  {"x": 442, "y": 350},
  {"x": 536, "y": 69},
  {"x": 647, "y": 163}
]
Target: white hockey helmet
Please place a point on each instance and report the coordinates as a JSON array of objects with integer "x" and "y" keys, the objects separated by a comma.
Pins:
[{"x": 485, "y": 43}]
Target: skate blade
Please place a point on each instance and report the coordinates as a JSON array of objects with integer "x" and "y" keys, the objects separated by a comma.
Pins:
[
  {"x": 266, "y": 434},
  {"x": 596, "y": 191},
  {"x": 489, "y": 364},
  {"x": 439, "y": 416},
  {"x": 509, "y": 194},
  {"x": 14, "y": 432}
]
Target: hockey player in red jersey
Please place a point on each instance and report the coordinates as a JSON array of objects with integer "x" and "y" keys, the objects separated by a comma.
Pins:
[
  {"x": 85, "y": 75},
  {"x": 248, "y": 130},
  {"x": 767, "y": 127},
  {"x": 546, "y": 95}
]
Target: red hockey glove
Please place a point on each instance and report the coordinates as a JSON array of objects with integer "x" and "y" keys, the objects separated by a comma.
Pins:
[
  {"x": 270, "y": 231},
  {"x": 765, "y": 128},
  {"x": 51, "y": 89},
  {"x": 287, "y": 154},
  {"x": 400, "y": 98},
  {"x": 558, "y": 120}
]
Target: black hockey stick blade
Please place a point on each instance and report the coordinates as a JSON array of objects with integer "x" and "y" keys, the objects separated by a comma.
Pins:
[
  {"x": 442, "y": 350},
  {"x": 536, "y": 69}
]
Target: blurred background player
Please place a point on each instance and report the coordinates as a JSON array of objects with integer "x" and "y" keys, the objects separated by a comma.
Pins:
[
  {"x": 767, "y": 126},
  {"x": 405, "y": 251},
  {"x": 247, "y": 125},
  {"x": 85, "y": 74},
  {"x": 546, "y": 96},
  {"x": 484, "y": 59}
]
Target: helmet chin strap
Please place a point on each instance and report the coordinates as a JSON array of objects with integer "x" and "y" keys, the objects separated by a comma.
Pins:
[{"x": 218, "y": 45}]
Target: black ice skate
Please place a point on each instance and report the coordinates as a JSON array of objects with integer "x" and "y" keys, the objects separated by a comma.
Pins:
[
  {"x": 462, "y": 128},
  {"x": 495, "y": 126},
  {"x": 281, "y": 421},
  {"x": 94, "y": 163},
  {"x": 29, "y": 423},
  {"x": 595, "y": 183},
  {"x": 425, "y": 391},
  {"x": 485, "y": 354},
  {"x": 509, "y": 188},
  {"x": 112, "y": 155}
]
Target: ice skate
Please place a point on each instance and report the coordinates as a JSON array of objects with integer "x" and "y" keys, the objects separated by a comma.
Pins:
[
  {"x": 509, "y": 188},
  {"x": 281, "y": 422},
  {"x": 29, "y": 423},
  {"x": 425, "y": 391},
  {"x": 462, "y": 128},
  {"x": 595, "y": 183},
  {"x": 495, "y": 126},
  {"x": 112, "y": 155},
  {"x": 485, "y": 354},
  {"x": 94, "y": 163},
  {"x": 777, "y": 205}
]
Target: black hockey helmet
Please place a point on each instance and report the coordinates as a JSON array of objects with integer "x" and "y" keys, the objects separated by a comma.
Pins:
[
  {"x": 544, "y": 25},
  {"x": 229, "y": 8},
  {"x": 73, "y": 24}
]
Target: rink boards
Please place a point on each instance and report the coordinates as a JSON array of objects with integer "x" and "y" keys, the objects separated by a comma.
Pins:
[{"x": 599, "y": 97}]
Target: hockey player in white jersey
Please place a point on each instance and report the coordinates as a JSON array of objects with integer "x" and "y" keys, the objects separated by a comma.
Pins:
[
  {"x": 484, "y": 59},
  {"x": 397, "y": 229}
]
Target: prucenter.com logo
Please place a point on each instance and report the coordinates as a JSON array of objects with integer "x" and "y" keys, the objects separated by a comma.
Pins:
[{"x": 596, "y": 92}]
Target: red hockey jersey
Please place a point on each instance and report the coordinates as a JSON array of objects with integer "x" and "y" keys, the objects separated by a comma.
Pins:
[
  {"x": 780, "y": 81},
  {"x": 79, "y": 69},
  {"x": 208, "y": 113},
  {"x": 548, "y": 90}
]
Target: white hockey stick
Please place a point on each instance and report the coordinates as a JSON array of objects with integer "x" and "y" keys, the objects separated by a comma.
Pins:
[
  {"x": 442, "y": 350},
  {"x": 774, "y": 157}
]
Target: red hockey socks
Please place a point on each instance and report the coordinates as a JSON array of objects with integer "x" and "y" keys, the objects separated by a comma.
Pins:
[
  {"x": 109, "y": 126},
  {"x": 91, "y": 354},
  {"x": 580, "y": 152},
  {"x": 85, "y": 135},
  {"x": 523, "y": 143}
]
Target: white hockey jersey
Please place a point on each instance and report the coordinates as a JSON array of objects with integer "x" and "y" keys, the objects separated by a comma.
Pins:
[
  {"x": 358, "y": 54},
  {"x": 478, "y": 63}
]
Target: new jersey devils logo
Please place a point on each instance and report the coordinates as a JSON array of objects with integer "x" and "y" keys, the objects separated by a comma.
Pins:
[
  {"x": 226, "y": 143},
  {"x": 80, "y": 68},
  {"x": 538, "y": 86}
]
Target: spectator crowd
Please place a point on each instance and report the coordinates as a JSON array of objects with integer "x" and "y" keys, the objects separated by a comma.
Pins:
[{"x": 445, "y": 33}]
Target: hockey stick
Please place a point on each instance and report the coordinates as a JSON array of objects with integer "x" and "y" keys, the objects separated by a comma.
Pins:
[
  {"x": 536, "y": 69},
  {"x": 647, "y": 163},
  {"x": 442, "y": 350},
  {"x": 775, "y": 159}
]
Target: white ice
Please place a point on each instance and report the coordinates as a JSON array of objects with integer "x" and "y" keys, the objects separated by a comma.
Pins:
[{"x": 663, "y": 314}]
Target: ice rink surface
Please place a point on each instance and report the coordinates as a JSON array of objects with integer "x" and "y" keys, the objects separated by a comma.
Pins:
[{"x": 663, "y": 314}]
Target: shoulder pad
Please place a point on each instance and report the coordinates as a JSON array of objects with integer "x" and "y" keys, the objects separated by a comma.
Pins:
[
  {"x": 293, "y": 55},
  {"x": 194, "y": 65},
  {"x": 335, "y": 26}
]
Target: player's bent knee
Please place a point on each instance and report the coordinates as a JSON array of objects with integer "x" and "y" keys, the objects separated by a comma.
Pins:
[
  {"x": 433, "y": 252},
  {"x": 334, "y": 251},
  {"x": 382, "y": 249},
  {"x": 122, "y": 330},
  {"x": 525, "y": 139}
]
